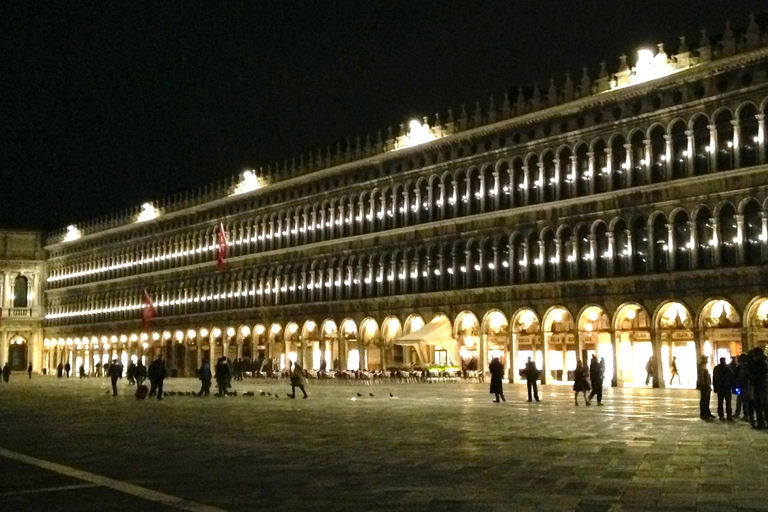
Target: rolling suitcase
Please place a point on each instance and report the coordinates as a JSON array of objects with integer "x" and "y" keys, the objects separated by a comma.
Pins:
[{"x": 141, "y": 392}]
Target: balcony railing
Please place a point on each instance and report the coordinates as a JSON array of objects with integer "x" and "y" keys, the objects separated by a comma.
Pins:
[{"x": 21, "y": 312}]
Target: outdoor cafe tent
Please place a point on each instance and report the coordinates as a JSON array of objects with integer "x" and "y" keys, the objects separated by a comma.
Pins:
[{"x": 437, "y": 333}]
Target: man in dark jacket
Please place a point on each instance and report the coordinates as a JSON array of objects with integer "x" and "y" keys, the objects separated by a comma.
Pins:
[
  {"x": 205, "y": 378},
  {"x": 722, "y": 380},
  {"x": 531, "y": 374},
  {"x": 115, "y": 372},
  {"x": 497, "y": 374},
  {"x": 157, "y": 373},
  {"x": 596, "y": 373},
  {"x": 742, "y": 390},
  {"x": 704, "y": 385},
  {"x": 758, "y": 373}
]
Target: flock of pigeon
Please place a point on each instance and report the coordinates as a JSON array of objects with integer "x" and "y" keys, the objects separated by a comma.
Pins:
[{"x": 234, "y": 393}]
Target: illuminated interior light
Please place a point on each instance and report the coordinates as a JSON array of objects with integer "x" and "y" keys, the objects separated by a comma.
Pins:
[
  {"x": 72, "y": 234},
  {"x": 148, "y": 212},
  {"x": 248, "y": 183}
]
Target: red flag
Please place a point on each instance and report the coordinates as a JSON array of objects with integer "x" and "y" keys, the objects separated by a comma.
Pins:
[
  {"x": 148, "y": 311},
  {"x": 222, "y": 256}
]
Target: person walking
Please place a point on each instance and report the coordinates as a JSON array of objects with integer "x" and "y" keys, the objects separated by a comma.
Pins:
[
  {"x": 115, "y": 372},
  {"x": 673, "y": 371},
  {"x": 758, "y": 373},
  {"x": 650, "y": 370},
  {"x": 742, "y": 388},
  {"x": 29, "y": 370},
  {"x": 704, "y": 385},
  {"x": 60, "y": 371},
  {"x": 67, "y": 368},
  {"x": 205, "y": 378},
  {"x": 531, "y": 376},
  {"x": 223, "y": 376},
  {"x": 596, "y": 374},
  {"x": 580, "y": 382},
  {"x": 157, "y": 373},
  {"x": 82, "y": 371},
  {"x": 497, "y": 374},
  {"x": 130, "y": 372},
  {"x": 140, "y": 373},
  {"x": 6, "y": 372},
  {"x": 722, "y": 381},
  {"x": 298, "y": 380}
]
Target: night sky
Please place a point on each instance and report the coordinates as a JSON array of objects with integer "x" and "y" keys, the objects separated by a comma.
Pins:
[{"x": 106, "y": 105}]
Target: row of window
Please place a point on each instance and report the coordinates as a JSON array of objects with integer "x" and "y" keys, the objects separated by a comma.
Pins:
[
  {"x": 634, "y": 245},
  {"x": 683, "y": 148}
]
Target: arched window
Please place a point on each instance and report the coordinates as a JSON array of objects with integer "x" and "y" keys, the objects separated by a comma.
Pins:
[
  {"x": 603, "y": 254},
  {"x": 602, "y": 170},
  {"x": 724, "y": 129},
  {"x": 748, "y": 136},
  {"x": 682, "y": 236},
  {"x": 753, "y": 233},
  {"x": 679, "y": 150},
  {"x": 660, "y": 240},
  {"x": 621, "y": 249},
  {"x": 658, "y": 158},
  {"x": 729, "y": 236},
  {"x": 705, "y": 238},
  {"x": 20, "y": 292},
  {"x": 701, "y": 147},
  {"x": 619, "y": 167},
  {"x": 639, "y": 246}
]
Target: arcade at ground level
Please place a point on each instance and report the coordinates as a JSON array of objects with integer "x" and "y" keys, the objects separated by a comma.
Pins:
[{"x": 555, "y": 338}]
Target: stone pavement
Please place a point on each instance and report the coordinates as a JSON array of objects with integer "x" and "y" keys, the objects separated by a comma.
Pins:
[{"x": 428, "y": 447}]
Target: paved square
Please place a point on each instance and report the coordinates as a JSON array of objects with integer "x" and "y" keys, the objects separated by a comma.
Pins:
[{"x": 442, "y": 446}]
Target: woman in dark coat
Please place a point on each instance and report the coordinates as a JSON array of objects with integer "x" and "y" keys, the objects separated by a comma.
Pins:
[
  {"x": 497, "y": 373},
  {"x": 580, "y": 382}
]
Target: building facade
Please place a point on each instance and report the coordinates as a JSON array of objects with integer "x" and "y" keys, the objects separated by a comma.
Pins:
[
  {"x": 623, "y": 216},
  {"x": 22, "y": 274}
]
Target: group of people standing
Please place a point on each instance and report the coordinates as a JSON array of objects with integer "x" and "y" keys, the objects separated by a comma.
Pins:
[
  {"x": 745, "y": 376},
  {"x": 584, "y": 379}
]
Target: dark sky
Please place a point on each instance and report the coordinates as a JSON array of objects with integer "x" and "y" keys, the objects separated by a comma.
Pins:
[{"x": 105, "y": 105}]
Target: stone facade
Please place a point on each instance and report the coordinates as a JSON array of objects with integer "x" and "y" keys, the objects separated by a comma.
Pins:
[
  {"x": 22, "y": 273},
  {"x": 624, "y": 216}
]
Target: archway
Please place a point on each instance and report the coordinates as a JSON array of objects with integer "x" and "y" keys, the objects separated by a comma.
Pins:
[
  {"x": 720, "y": 323},
  {"x": 351, "y": 344},
  {"x": 560, "y": 344},
  {"x": 674, "y": 323},
  {"x": 392, "y": 330},
  {"x": 18, "y": 353},
  {"x": 371, "y": 339},
  {"x": 632, "y": 332},
  {"x": 526, "y": 341},
  {"x": 467, "y": 330},
  {"x": 595, "y": 338},
  {"x": 494, "y": 338},
  {"x": 756, "y": 316}
]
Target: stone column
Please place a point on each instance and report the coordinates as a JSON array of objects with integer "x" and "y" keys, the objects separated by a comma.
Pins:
[
  {"x": 760, "y": 138},
  {"x": 628, "y": 165},
  {"x": 667, "y": 160},
  {"x": 740, "y": 233},
  {"x": 736, "y": 143},
  {"x": 592, "y": 255},
  {"x": 556, "y": 195},
  {"x": 511, "y": 354},
  {"x": 689, "y": 153},
  {"x": 482, "y": 353},
  {"x": 545, "y": 367},
  {"x": 527, "y": 183},
  {"x": 573, "y": 177},
  {"x": 671, "y": 249},
  {"x": 648, "y": 152},
  {"x": 694, "y": 244},
  {"x": 591, "y": 172},
  {"x": 496, "y": 191},
  {"x": 712, "y": 156},
  {"x": 610, "y": 264},
  {"x": 764, "y": 236},
  {"x": 658, "y": 381},
  {"x": 609, "y": 170},
  {"x": 618, "y": 376}
]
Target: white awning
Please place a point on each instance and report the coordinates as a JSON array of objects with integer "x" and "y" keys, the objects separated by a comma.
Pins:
[{"x": 436, "y": 333}]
